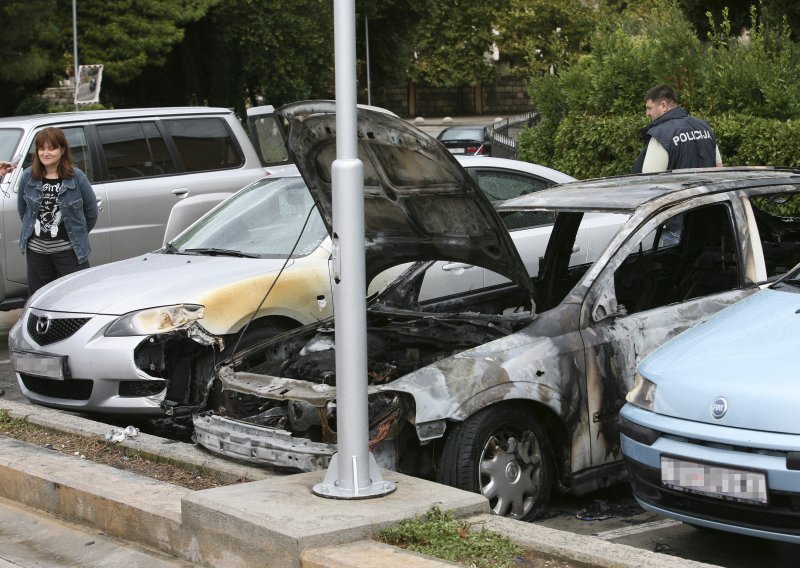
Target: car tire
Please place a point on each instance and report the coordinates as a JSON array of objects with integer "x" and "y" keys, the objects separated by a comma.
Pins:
[{"x": 503, "y": 453}]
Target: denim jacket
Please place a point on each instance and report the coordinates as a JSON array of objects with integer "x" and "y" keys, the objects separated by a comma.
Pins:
[{"x": 78, "y": 205}]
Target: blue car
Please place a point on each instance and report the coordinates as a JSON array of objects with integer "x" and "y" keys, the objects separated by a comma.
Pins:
[{"x": 711, "y": 429}]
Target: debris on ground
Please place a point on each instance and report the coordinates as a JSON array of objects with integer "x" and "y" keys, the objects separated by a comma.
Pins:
[
  {"x": 600, "y": 510},
  {"x": 119, "y": 434}
]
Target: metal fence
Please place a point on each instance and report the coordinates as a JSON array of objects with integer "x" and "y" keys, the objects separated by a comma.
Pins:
[{"x": 505, "y": 132}]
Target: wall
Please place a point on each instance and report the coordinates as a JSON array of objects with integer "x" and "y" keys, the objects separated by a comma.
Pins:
[{"x": 504, "y": 97}]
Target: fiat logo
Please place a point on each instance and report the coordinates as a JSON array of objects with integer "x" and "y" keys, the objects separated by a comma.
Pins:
[
  {"x": 42, "y": 325},
  {"x": 719, "y": 407}
]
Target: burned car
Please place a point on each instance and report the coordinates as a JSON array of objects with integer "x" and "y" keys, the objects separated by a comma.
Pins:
[{"x": 511, "y": 389}]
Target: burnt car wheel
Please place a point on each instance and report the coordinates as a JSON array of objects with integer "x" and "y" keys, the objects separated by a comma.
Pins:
[{"x": 504, "y": 454}]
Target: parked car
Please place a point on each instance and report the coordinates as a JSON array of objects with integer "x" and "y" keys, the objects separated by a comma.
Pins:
[
  {"x": 141, "y": 162},
  {"x": 141, "y": 336},
  {"x": 513, "y": 388},
  {"x": 470, "y": 140},
  {"x": 710, "y": 433}
]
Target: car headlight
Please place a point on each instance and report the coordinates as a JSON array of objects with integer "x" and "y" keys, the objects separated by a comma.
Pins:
[
  {"x": 643, "y": 393},
  {"x": 156, "y": 320}
]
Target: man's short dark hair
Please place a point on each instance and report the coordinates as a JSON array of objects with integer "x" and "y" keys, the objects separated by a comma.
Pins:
[{"x": 661, "y": 93}]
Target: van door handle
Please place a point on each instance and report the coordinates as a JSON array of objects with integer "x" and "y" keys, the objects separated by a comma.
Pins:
[
  {"x": 181, "y": 191},
  {"x": 99, "y": 204}
]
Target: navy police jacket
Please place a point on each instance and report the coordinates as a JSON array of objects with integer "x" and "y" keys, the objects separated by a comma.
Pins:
[{"x": 689, "y": 141}]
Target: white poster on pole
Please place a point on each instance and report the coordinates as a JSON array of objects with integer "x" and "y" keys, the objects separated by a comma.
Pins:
[{"x": 87, "y": 90}]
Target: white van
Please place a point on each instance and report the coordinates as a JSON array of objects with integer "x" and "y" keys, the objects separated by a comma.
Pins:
[{"x": 141, "y": 162}]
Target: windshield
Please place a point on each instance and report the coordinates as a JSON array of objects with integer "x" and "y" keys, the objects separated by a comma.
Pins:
[
  {"x": 9, "y": 140},
  {"x": 265, "y": 220},
  {"x": 462, "y": 134}
]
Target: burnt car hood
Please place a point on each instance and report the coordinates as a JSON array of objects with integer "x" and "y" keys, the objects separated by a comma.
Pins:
[{"x": 419, "y": 203}]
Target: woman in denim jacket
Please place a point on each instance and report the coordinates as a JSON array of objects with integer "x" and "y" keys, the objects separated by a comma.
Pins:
[{"x": 58, "y": 208}]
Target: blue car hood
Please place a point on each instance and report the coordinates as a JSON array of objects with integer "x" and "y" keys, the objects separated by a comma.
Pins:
[{"x": 747, "y": 353}]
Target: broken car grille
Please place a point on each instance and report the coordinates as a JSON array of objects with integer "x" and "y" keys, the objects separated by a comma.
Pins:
[
  {"x": 71, "y": 389},
  {"x": 44, "y": 330}
]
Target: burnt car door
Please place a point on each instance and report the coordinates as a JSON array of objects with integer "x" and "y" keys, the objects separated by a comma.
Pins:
[{"x": 676, "y": 269}]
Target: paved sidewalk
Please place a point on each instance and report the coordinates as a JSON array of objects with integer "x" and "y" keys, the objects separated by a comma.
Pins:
[{"x": 32, "y": 539}]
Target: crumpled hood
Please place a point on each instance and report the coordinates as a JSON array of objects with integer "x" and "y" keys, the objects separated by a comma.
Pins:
[
  {"x": 155, "y": 279},
  {"x": 419, "y": 203},
  {"x": 747, "y": 354}
]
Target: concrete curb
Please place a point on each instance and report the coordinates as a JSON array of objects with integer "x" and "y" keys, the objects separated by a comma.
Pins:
[{"x": 275, "y": 521}]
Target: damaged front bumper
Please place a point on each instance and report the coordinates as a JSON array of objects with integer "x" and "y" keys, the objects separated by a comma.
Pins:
[{"x": 259, "y": 444}]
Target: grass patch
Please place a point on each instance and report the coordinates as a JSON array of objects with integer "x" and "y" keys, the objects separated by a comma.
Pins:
[
  {"x": 14, "y": 427},
  {"x": 438, "y": 534}
]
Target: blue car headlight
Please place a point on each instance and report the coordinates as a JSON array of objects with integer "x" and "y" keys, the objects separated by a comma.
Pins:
[
  {"x": 643, "y": 393},
  {"x": 153, "y": 321}
]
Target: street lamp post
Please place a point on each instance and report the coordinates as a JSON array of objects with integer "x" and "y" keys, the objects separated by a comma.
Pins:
[
  {"x": 366, "y": 44},
  {"x": 75, "y": 50},
  {"x": 353, "y": 472}
]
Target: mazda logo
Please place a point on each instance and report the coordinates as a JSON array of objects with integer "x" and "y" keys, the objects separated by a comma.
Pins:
[
  {"x": 719, "y": 407},
  {"x": 42, "y": 325}
]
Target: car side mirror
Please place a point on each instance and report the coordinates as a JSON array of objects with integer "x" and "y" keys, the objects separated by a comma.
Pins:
[{"x": 607, "y": 307}]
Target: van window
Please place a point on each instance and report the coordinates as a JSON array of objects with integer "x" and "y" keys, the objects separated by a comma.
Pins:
[
  {"x": 9, "y": 138},
  {"x": 81, "y": 157},
  {"x": 134, "y": 150},
  {"x": 204, "y": 144}
]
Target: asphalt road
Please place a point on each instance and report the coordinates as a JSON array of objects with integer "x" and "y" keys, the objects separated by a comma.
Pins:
[{"x": 611, "y": 515}]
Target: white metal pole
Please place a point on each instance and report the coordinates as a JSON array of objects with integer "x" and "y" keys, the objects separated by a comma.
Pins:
[
  {"x": 366, "y": 43},
  {"x": 75, "y": 50},
  {"x": 353, "y": 473}
]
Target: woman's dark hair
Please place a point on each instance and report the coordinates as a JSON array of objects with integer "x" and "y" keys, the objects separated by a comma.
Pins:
[{"x": 54, "y": 138}]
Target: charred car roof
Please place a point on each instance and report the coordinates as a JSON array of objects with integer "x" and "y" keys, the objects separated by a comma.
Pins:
[
  {"x": 419, "y": 203},
  {"x": 625, "y": 194}
]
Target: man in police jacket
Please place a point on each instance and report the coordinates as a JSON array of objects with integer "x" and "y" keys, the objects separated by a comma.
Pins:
[{"x": 674, "y": 140}]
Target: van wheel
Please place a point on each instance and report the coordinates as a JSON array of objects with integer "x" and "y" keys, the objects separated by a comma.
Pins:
[
  {"x": 504, "y": 454},
  {"x": 256, "y": 332}
]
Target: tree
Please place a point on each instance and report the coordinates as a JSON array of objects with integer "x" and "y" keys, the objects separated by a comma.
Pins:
[
  {"x": 128, "y": 35},
  {"x": 124, "y": 35},
  {"x": 745, "y": 85},
  {"x": 31, "y": 50},
  {"x": 453, "y": 44},
  {"x": 393, "y": 30},
  {"x": 770, "y": 12},
  {"x": 259, "y": 52},
  {"x": 540, "y": 32}
]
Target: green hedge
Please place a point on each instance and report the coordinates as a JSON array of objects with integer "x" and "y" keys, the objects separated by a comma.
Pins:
[
  {"x": 592, "y": 109},
  {"x": 593, "y": 146}
]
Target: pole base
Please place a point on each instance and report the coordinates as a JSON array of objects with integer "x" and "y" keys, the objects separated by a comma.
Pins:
[{"x": 330, "y": 487}]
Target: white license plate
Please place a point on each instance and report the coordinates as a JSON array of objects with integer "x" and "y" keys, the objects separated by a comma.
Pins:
[
  {"x": 456, "y": 150},
  {"x": 40, "y": 365},
  {"x": 714, "y": 481}
]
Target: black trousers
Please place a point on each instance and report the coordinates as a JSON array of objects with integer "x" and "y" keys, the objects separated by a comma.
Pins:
[{"x": 44, "y": 268}]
